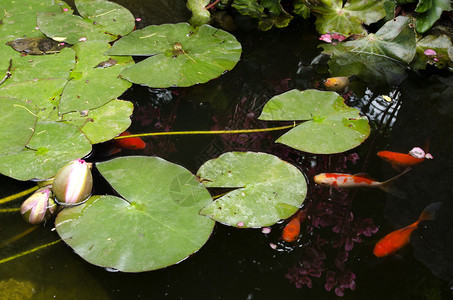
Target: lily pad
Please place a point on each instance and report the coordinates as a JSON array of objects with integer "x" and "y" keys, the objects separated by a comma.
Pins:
[
  {"x": 200, "y": 15},
  {"x": 92, "y": 85},
  {"x": 103, "y": 123},
  {"x": 156, "y": 224},
  {"x": 181, "y": 55},
  {"x": 52, "y": 145},
  {"x": 347, "y": 18},
  {"x": 331, "y": 126},
  {"x": 17, "y": 125},
  {"x": 430, "y": 13},
  {"x": 267, "y": 189},
  {"x": 116, "y": 19},
  {"x": 437, "y": 54},
  {"x": 383, "y": 56}
]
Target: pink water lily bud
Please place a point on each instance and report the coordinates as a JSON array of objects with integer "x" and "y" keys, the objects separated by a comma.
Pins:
[
  {"x": 73, "y": 183},
  {"x": 39, "y": 206}
]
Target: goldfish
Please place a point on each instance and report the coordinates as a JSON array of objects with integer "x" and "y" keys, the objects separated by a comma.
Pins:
[
  {"x": 400, "y": 161},
  {"x": 358, "y": 180},
  {"x": 397, "y": 239},
  {"x": 115, "y": 146},
  {"x": 336, "y": 83},
  {"x": 292, "y": 229}
]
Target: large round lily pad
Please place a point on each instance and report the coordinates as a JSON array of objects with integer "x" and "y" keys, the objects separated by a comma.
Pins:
[
  {"x": 181, "y": 55},
  {"x": 267, "y": 189},
  {"x": 17, "y": 125},
  {"x": 52, "y": 145},
  {"x": 156, "y": 224},
  {"x": 331, "y": 126}
]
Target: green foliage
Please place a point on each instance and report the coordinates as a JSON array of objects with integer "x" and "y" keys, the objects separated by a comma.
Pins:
[
  {"x": 154, "y": 225},
  {"x": 442, "y": 46},
  {"x": 269, "y": 12},
  {"x": 383, "y": 56},
  {"x": 430, "y": 11},
  {"x": 200, "y": 15},
  {"x": 181, "y": 55},
  {"x": 267, "y": 189},
  {"x": 331, "y": 126}
]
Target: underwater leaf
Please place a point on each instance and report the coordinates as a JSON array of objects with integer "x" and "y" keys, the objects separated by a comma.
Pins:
[
  {"x": 269, "y": 12},
  {"x": 200, "y": 15},
  {"x": 93, "y": 85},
  {"x": 116, "y": 19},
  {"x": 72, "y": 29},
  {"x": 181, "y": 55},
  {"x": 441, "y": 45},
  {"x": 17, "y": 125},
  {"x": 156, "y": 224},
  {"x": 268, "y": 189},
  {"x": 331, "y": 126},
  {"x": 427, "y": 19},
  {"x": 383, "y": 56},
  {"x": 52, "y": 145},
  {"x": 332, "y": 16},
  {"x": 103, "y": 123}
]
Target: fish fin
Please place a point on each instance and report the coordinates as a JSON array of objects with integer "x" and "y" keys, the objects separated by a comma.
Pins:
[
  {"x": 398, "y": 168},
  {"x": 388, "y": 186},
  {"x": 430, "y": 211}
]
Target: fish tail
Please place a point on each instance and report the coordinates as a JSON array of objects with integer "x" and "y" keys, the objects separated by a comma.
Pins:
[
  {"x": 388, "y": 185},
  {"x": 430, "y": 211}
]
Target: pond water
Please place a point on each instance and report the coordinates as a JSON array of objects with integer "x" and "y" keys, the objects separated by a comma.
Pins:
[{"x": 240, "y": 263}]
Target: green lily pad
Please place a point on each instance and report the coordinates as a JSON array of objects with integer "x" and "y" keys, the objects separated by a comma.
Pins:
[
  {"x": 156, "y": 224},
  {"x": 17, "y": 125},
  {"x": 103, "y": 123},
  {"x": 181, "y": 55},
  {"x": 116, "y": 19},
  {"x": 430, "y": 13},
  {"x": 71, "y": 29},
  {"x": 333, "y": 16},
  {"x": 200, "y": 15},
  {"x": 440, "y": 44},
  {"x": 331, "y": 126},
  {"x": 52, "y": 146},
  {"x": 92, "y": 85},
  {"x": 267, "y": 189},
  {"x": 383, "y": 56}
]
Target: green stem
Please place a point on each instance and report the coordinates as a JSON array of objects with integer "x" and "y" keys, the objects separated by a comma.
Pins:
[
  {"x": 28, "y": 251},
  {"x": 6, "y": 210},
  {"x": 206, "y": 132},
  {"x": 18, "y": 236},
  {"x": 18, "y": 195}
]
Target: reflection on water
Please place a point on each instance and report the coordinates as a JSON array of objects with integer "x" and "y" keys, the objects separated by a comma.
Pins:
[{"x": 239, "y": 264}]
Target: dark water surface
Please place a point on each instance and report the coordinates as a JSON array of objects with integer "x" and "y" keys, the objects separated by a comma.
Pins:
[{"x": 240, "y": 264}]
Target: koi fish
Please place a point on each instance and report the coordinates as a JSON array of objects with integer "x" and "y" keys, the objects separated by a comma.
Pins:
[
  {"x": 336, "y": 83},
  {"x": 115, "y": 146},
  {"x": 291, "y": 231},
  {"x": 399, "y": 161},
  {"x": 397, "y": 239},
  {"x": 358, "y": 180}
]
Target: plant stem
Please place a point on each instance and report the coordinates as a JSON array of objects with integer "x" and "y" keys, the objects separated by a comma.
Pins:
[
  {"x": 212, "y": 4},
  {"x": 6, "y": 210},
  {"x": 18, "y": 195},
  {"x": 18, "y": 236},
  {"x": 28, "y": 251},
  {"x": 206, "y": 132}
]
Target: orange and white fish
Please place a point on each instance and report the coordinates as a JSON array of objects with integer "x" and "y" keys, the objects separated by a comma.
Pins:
[
  {"x": 291, "y": 231},
  {"x": 399, "y": 161},
  {"x": 337, "y": 83},
  {"x": 342, "y": 180},
  {"x": 397, "y": 239}
]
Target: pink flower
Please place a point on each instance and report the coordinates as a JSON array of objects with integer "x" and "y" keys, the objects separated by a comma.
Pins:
[
  {"x": 326, "y": 38},
  {"x": 82, "y": 39},
  {"x": 430, "y": 52},
  {"x": 138, "y": 19},
  {"x": 417, "y": 152}
]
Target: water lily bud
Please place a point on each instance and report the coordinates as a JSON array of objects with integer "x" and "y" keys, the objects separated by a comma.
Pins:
[
  {"x": 73, "y": 182},
  {"x": 39, "y": 206}
]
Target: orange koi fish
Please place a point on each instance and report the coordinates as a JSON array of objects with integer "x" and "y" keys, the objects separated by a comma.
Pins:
[
  {"x": 358, "y": 180},
  {"x": 397, "y": 239},
  {"x": 115, "y": 146},
  {"x": 336, "y": 83},
  {"x": 399, "y": 161},
  {"x": 291, "y": 231}
]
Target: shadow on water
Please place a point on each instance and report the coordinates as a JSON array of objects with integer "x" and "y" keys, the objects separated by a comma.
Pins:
[{"x": 240, "y": 264}]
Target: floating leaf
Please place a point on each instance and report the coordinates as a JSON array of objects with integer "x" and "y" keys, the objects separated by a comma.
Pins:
[
  {"x": 200, "y": 15},
  {"x": 333, "y": 16},
  {"x": 17, "y": 125},
  {"x": 376, "y": 57},
  {"x": 440, "y": 45},
  {"x": 156, "y": 224},
  {"x": 331, "y": 126},
  {"x": 103, "y": 123},
  {"x": 267, "y": 189},
  {"x": 52, "y": 146},
  {"x": 92, "y": 86},
  {"x": 430, "y": 13},
  {"x": 181, "y": 55},
  {"x": 269, "y": 13},
  {"x": 116, "y": 19},
  {"x": 71, "y": 29}
]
